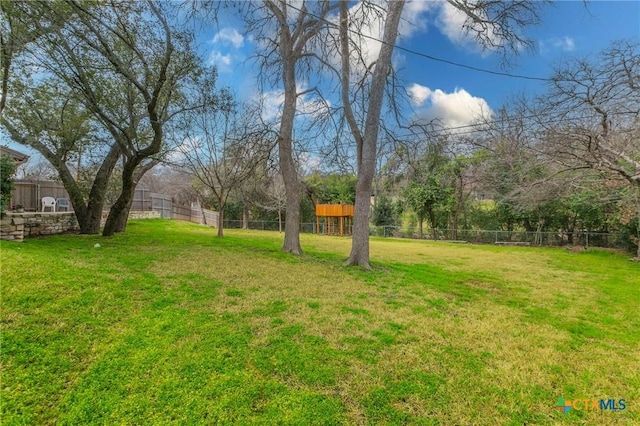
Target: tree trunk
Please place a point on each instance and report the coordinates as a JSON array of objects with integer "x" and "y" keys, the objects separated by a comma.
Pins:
[
  {"x": 360, "y": 242},
  {"x": 292, "y": 223},
  {"x": 89, "y": 213},
  {"x": 117, "y": 218},
  {"x": 123, "y": 217},
  {"x": 538, "y": 235},
  {"x": 420, "y": 228},
  {"x": 367, "y": 160},
  {"x": 76, "y": 198},
  {"x": 280, "y": 220},
  {"x": 221, "y": 205},
  {"x": 119, "y": 212},
  {"x": 6, "y": 65},
  {"x": 7, "y": 54},
  {"x": 132, "y": 172},
  {"x": 204, "y": 216},
  {"x": 432, "y": 220},
  {"x": 245, "y": 215},
  {"x": 458, "y": 207},
  {"x": 454, "y": 225},
  {"x": 571, "y": 229},
  {"x": 98, "y": 192},
  {"x": 287, "y": 165},
  {"x": 636, "y": 184}
]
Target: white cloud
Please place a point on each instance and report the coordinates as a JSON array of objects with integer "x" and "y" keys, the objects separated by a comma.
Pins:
[
  {"x": 419, "y": 94},
  {"x": 454, "y": 109},
  {"x": 370, "y": 25},
  {"x": 371, "y": 28},
  {"x": 228, "y": 36},
  {"x": 227, "y": 40},
  {"x": 564, "y": 43},
  {"x": 271, "y": 104},
  {"x": 220, "y": 61},
  {"x": 414, "y": 18},
  {"x": 451, "y": 23}
]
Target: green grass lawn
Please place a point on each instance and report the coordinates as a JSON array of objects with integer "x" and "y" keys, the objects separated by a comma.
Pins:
[{"x": 168, "y": 324}]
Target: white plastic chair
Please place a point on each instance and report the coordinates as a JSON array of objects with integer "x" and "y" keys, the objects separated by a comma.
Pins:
[
  {"x": 49, "y": 202},
  {"x": 63, "y": 203}
]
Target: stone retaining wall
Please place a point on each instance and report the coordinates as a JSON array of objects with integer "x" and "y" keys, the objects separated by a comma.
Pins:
[
  {"x": 134, "y": 214},
  {"x": 17, "y": 226},
  {"x": 11, "y": 228},
  {"x": 149, "y": 214}
]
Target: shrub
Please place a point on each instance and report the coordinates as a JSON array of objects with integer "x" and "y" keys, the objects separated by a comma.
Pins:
[{"x": 7, "y": 169}]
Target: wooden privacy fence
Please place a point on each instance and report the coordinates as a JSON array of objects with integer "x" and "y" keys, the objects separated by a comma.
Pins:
[
  {"x": 145, "y": 200},
  {"x": 29, "y": 193},
  {"x": 195, "y": 214}
]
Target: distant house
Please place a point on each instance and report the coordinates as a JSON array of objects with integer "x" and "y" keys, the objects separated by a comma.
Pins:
[{"x": 17, "y": 157}]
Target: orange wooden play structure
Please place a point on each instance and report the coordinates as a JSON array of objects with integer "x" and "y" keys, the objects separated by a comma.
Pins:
[{"x": 337, "y": 219}]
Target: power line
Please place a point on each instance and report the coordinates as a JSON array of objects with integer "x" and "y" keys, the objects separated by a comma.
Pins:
[
  {"x": 470, "y": 67},
  {"x": 431, "y": 57},
  {"x": 484, "y": 127},
  {"x": 474, "y": 127},
  {"x": 481, "y": 127},
  {"x": 326, "y": 155}
]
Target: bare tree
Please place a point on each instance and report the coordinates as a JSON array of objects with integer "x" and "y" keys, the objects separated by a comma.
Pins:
[
  {"x": 496, "y": 24},
  {"x": 174, "y": 182},
  {"x": 221, "y": 147},
  {"x": 493, "y": 24},
  {"x": 288, "y": 55},
  {"x": 275, "y": 195},
  {"x": 366, "y": 142},
  {"x": 596, "y": 110},
  {"x": 42, "y": 170}
]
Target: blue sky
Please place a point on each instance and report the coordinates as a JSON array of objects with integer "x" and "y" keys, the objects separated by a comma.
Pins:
[
  {"x": 454, "y": 95},
  {"x": 568, "y": 29}
]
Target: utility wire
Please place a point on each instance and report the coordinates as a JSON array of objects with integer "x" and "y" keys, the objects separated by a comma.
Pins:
[
  {"x": 472, "y": 127},
  {"x": 470, "y": 67},
  {"x": 483, "y": 126},
  {"x": 431, "y": 57}
]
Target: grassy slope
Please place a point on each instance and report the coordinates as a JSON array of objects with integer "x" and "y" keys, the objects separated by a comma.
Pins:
[{"x": 169, "y": 324}]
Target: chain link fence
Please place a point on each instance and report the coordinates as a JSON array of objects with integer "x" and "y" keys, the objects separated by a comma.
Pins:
[
  {"x": 268, "y": 225},
  {"x": 546, "y": 238},
  {"x": 524, "y": 238}
]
